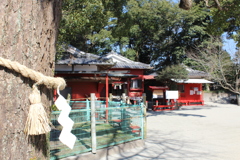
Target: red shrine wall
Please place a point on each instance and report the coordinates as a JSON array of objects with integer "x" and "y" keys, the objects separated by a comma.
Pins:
[
  {"x": 190, "y": 93},
  {"x": 83, "y": 89}
]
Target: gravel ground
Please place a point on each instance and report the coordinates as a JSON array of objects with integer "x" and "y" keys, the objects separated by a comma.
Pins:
[{"x": 209, "y": 132}]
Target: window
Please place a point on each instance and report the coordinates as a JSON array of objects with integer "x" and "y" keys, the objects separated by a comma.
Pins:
[
  {"x": 181, "y": 88},
  {"x": 136, "y": 84},
  {"x": 157, "y": 94}
]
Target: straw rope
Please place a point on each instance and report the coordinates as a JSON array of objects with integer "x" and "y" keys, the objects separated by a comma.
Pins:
[
  {"x": 48, "y": 81},
  {"x": 37, "y": 121}
]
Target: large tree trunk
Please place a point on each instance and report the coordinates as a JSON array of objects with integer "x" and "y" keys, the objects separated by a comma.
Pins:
[
  {"x": 238, "y": 99},
  {"x": 28, "y": 31}
]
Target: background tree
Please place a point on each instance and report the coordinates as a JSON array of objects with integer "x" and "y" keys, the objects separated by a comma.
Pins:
[
  {"x": 28, "y": 35},
  {"x": 172, "y": 72},
  {"x": 218, "y": 64},
  {"x": 158, "y": 32},
  {"x": 226, "y": 20},
  {"x": 86, "y": 24},
  {"x": 155, "y": 32},
  {"x": 225, "y": 16}
]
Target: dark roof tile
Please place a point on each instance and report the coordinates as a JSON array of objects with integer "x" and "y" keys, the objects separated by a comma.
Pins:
[{"x": 75, "y": 56}]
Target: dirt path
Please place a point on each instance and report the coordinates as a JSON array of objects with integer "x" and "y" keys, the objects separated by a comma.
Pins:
[{"x": 210, "y": 132}]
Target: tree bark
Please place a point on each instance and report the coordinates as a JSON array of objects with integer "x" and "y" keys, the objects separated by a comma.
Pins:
[
  {"x": 238, "y": 99},
  {"x": 185, "y": 4},
  {"x": 28, "y": 32}
]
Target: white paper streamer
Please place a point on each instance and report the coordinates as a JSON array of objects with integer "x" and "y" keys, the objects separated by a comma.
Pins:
[{"x": 66, "y": 137}]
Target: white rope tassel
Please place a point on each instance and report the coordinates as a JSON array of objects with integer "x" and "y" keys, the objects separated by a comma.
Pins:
[
  {"x": 66, "y": 137},
  {"x": 37, "y": 121}
]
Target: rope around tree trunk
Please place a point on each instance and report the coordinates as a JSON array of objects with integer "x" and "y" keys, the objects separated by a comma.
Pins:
[
  {"x": 37, "y": 121},
  {"x": 50, "y": 82}
]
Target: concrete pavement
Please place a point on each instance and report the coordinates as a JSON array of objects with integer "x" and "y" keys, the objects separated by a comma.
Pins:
[{"x": 209, "y": 132}]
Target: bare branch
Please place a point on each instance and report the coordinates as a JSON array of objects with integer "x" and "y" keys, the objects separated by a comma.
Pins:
[{"x": 218, "y": 64}]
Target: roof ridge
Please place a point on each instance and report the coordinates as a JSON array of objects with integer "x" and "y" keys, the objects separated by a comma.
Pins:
[{"x": 125, "y": 59}]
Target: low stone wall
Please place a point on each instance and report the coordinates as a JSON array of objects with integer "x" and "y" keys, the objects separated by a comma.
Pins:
[{"x": 217, "y": 97}]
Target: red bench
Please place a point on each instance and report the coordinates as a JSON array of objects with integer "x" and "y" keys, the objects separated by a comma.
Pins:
[{"x": 136, "y": 129}]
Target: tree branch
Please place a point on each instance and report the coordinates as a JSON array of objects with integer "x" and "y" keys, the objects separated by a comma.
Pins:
[
  {"x": 218, "y": 4},
  {"x": 217, "y": 63}
]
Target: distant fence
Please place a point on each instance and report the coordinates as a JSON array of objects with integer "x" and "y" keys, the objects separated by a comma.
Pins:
[{"x": 116, "y": 124}]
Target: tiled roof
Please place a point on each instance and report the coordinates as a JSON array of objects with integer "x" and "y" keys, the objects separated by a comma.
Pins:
[
  {"x": 192, "y": 74},
  {"x": 191, "y": 81},
  {"x": 123, "y": 62},
  {"x": 136, "y": 65},
  {"x": 195, "y": 73},
  {"x": 75, "y": 56}
]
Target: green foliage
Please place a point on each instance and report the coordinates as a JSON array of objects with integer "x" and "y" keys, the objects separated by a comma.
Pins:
[
  {"x": 173, "y": 72},
  {"x": 54, "y": 108},
  {"x": 161, "y": 32},
  {"x": 86, "y": 24},
  {"x": 130, "y": 53},
  {"x": 156, "y": 32},
  {"x": 226, "y": 19}
]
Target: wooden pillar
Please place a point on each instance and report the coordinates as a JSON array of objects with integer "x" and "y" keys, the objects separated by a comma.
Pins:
[
  {"x": 107, "y": 91},
  {"x": 201, "y": 94},
  {"x": 106, "y": 98},
  {"x": 145, "y": 115},
  {"x": 128, "y": 86}
]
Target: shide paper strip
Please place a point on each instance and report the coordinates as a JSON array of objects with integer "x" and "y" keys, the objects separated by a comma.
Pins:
[{"x": 66, "y": 137}]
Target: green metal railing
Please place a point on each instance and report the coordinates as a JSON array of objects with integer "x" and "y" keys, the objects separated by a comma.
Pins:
[{"x": 116, "y": 124}]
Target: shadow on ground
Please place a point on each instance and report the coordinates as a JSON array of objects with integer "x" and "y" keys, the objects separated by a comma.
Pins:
[
  {"x": 172, "y": 113},
  {"x": 163, "y": 146}
]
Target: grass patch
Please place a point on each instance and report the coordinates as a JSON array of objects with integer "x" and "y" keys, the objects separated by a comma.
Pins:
[{"x": 107, "y": 135}]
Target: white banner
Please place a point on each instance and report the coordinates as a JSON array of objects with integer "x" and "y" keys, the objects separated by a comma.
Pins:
[{"x": 172, "y": 95}]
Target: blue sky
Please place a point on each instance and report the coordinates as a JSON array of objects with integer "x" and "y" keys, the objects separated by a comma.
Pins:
[{"x": 229, "y": 45}]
